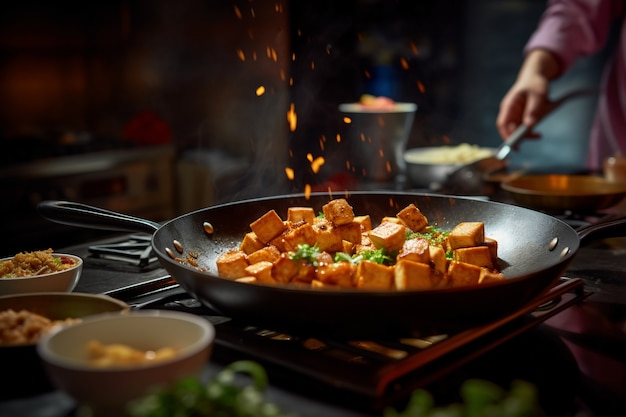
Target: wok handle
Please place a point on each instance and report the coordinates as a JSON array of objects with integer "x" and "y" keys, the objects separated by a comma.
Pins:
[
  {"x": 83, "y": 215},
  {"x": 612, "y": 226}
]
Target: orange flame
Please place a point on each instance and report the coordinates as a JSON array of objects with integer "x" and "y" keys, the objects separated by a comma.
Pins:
[
  {"x": 307, "y": 191},
  {"x": 316, "y": 164},
  {"x": 290, "y": 173},
  {"x": 292, "y": 117},
  {"x": 420, "y": 86},
  {"x": 260, "y": 91},
  {"x": 404, "y": 63},
  {"x": 237, "y": 12},
  {"x": 347, "y": 120},
  {"x": 414, "y": 48},
  {"x": 338, "y": 138},
  {"x": 241, "y": 55}
]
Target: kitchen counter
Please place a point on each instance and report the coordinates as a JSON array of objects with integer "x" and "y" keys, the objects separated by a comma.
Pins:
[{"x": 575, "y": 358}]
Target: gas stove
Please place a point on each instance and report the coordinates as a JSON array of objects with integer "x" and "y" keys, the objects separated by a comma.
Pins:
[{"x": 372, "y": 373}]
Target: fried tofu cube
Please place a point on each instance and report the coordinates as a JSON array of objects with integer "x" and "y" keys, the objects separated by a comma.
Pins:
[
  {"x": 338, "y": 212},
  {"x": 262, "y": 271},
  {"x": 300, "y": 214},
  {"x": 232, "y": 264},
  {"x": 388, "y": 235},
  {"x": 348, "y": 247},
  {"x": 338, "y": 273},
  {"x": 328, "y": 238},
  {"x": 409, "y": 275},
  {"x": 438, "y": 259},
  {"x": 492, "y": 244},
  {"x": 476, "y": 255},
  {"x": 372, "y": 276},
  {"x": 268, "y": 226},
  {"x": 488, "y": 275},
  {"x": 250, "y": 243},
  {"x": 461, "y": 274},
  {"x": 412, "y": 218},
  {"x": 391, "y": 219},
  {"x": 303, "y": 234},
  {"x": 285, "y": 269},
  {"x": 268, "y": 253},
  {"x": 365, "y": 222},
  {"x": 415, "y": 250},
  {"x": 466, "y": 234},
  {"x": 350, "y": 232}
]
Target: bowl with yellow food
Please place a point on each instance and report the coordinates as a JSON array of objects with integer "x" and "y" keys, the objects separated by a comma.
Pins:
[
  {"x": 429, "y": 167},
  {"x": 25, "y": 318},
  {"x": 106, "y": 361},
  {"x": 39, "y": 271}
]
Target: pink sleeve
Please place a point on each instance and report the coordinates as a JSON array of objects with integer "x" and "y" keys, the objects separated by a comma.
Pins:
[{"x": 572, "y": 28}]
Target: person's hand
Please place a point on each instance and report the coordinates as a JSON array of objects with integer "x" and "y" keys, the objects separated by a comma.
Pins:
[{"x": 527, "y": 100}]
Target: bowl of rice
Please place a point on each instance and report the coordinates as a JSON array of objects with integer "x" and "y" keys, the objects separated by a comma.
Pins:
[{"x": 39, "y": 271}]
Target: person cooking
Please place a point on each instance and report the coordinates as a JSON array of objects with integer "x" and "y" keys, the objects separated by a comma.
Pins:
[{"x": 567, "y": 30}]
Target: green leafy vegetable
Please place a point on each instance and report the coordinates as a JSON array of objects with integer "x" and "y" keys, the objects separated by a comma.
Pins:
[
  {"x": 434, "y": 235},
  {"x": 380, "y": 256},
  {"x": 220, "y": 397},
  {"x": 480, "y": 398},
  {"x": 306, "y": 253}
]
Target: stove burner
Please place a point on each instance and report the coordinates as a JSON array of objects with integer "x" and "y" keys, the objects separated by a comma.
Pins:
[
  {"x": 134, "y": 252},
  {"x": 378, "y": 371}
]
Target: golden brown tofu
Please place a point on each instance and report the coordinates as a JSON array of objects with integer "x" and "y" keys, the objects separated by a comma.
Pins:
[
  {"x": 247, "y": 280},
  {"x": 347, "y": 247},
  {"x": 373, "y": 276},
  {"x": 268, "y": 226},
  {"x": 303, "y": 234},
  {"x": 250, "y": 243},
  {"x": 232, "y": 264},
  {"x": 338, "y": 212},
  {"x": 300, "y": 214},
  {"x": 365, "y": 222},
  {"x": 476, "y": 255},
  {"x": 413, "y": 218},
  {"x": 415, "y": 250},
  {"x": 268, "y": 253},
  {"x": 350, "y": 232},
  {"x": 262, "y": 271},
  {"x": 391, "y": 220},
  {"x": 328, "y": 238},
  {"x": 492, "y": 244},
  {"x": 409, "y": 275},
  {"x": 285, "y": 269},
  {"x": 339, "y": 273},
  {"x": 488, "y": 275},
  {"x": 388, "y": 235},
  {"x": 466, "y": 234},
  {"x": 438, "y": 259},
  {"x": 461, "y": 274}
]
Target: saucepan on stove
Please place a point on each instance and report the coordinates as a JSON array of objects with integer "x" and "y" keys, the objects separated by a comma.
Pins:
[
  {"x": 534, "y": 248},
  {"x": 557, "y": 193}
]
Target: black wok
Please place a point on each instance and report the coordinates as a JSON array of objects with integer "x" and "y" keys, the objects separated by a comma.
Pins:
[{"x": 535, "y": 249}]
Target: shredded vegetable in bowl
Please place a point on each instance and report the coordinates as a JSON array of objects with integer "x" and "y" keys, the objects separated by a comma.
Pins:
[{"x": 26, "y": 264}]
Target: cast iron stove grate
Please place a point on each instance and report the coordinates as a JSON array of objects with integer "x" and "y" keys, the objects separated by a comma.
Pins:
[{"x": 380, "y": 370}]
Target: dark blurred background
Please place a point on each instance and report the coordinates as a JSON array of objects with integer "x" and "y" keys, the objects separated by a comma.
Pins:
[{"x": 156, "y": 108}]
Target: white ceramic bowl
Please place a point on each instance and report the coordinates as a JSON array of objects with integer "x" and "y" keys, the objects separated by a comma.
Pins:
[
  {"x": 64, "y": 280},
  {"x": 108, "y": 389},
  {"x": 31, "y": 378}
]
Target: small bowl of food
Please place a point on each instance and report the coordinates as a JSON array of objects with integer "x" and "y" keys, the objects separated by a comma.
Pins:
[
  {"x": 430, "y": 166},
  {"x": 24, "y": 318},
  {"x": 106, "y": 361},
  {"x": 39, "y": 271}
]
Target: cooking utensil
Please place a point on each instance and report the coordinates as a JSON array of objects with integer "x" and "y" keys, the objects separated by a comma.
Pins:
[
  {"x": 468, "y": 179},
  {"x": 534, "y": 249},
  {"x": 554, "y": 193}
]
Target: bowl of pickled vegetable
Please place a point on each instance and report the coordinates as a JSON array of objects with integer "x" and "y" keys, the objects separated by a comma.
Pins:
[{"x": 39, "y": 271}]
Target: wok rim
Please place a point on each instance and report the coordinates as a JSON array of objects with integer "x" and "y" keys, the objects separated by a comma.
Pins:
[{"x": 512, "y": 186}]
